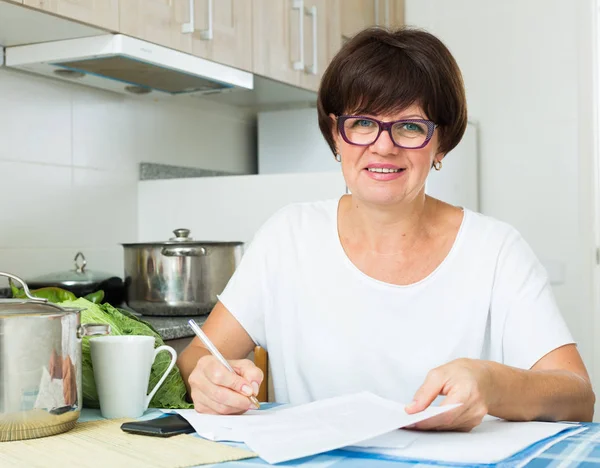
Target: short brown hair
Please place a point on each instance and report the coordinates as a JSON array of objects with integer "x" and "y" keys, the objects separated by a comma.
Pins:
[{"x": 383, "y": 71}]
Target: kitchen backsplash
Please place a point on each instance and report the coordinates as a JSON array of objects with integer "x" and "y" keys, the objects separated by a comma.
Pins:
[{"x": 70, "y": 163}]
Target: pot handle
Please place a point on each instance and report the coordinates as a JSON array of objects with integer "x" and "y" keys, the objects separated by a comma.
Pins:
[
  {"x": 93, "y": 329},
  {"x": 25, "y": 287},
  {"x": 176, "y": 251}
]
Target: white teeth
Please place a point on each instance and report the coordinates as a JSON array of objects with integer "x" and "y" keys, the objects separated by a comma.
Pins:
[{"x": 382, "y": 169}]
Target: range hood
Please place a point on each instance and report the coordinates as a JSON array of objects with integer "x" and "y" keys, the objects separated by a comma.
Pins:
[{"x": 127, "y": 65}]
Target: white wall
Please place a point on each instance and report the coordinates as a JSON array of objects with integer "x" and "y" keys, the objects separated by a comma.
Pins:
[
  {"x": 528, "y": 71},
  {"x": 69, "y": 160}
]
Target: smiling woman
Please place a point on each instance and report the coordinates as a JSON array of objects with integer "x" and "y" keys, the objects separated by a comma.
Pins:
[{"x": 388, "y": 289}]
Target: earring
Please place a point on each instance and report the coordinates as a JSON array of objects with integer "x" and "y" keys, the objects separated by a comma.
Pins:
[
  {"x": 437, "y": 165},
  {"x": 338, "y": 157}
]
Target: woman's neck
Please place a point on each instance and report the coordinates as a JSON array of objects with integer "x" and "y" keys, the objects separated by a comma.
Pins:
[{"x": 389, "y": 229}]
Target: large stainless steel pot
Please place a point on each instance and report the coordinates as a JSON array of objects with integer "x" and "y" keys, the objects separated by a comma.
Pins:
[
  {"x": 40, "y": 366},
  {"x": 180, "y": 276}
]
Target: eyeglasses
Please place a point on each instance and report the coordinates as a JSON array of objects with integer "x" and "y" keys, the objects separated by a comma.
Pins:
[{"x": 364, "y": 131}]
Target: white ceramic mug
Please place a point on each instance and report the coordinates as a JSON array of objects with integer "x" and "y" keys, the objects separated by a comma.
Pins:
[{"x": 122, "y": 367}]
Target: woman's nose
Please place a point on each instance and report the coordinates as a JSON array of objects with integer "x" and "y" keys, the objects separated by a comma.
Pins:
[{"x": 384, "y": 144}]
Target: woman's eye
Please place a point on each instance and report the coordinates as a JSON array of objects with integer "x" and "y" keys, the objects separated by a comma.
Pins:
[
  {"x": 413, "y": 127},
  {"x": 363, "y": 123}
]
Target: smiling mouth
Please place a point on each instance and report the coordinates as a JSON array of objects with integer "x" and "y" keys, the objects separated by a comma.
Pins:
[{"x": 382, "y": 170}]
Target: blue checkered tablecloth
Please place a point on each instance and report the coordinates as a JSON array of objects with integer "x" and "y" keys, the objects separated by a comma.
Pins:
[{"x": 579, "y": 450}]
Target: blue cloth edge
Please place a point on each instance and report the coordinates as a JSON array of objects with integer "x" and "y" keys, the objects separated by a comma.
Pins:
[{"x": 507, "y": 462}]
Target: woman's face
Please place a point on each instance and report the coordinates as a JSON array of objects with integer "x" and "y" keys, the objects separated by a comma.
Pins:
[{"x": 362, "y": 165}]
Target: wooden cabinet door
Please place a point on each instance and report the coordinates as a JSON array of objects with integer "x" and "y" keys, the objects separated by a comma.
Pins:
[
  {"x": 276, "y": 39},
  {"x": 101, "y": 13},
  {"x": 360, "y": 14},
  {"x": 356, "y": 15},
  {"x": 322, "y": 38},
  {"x": 159, "y": 21},
  {"x": 223, "y": 32},
  {"x": 388, "y": 13}
]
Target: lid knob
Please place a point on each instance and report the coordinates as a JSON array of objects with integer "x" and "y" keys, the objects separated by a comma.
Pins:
[
  {"x": 181, "y": 235},
  {"x": 181, "y": 232}
]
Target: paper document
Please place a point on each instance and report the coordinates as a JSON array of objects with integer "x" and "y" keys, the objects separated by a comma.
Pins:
[
  {"x": 397, "y": 439},
  {"x": 492, "y": 441},
  {"x": 224, "y": 428},
  {"x": 317, "y": 427}
]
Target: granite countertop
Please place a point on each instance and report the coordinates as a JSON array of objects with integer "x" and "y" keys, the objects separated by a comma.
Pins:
[{"x": 174, "y": 327}]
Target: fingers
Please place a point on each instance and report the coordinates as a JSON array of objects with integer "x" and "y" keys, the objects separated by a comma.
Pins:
[
  {"x": 219, "y": 375},
  {"x": 463, "y": 418},
  {"x": 442, "y": 421},
  {"x": 248, "y": 370},
  {"x": 216, "y": 390},
  {"x": 431, "y": 388}
]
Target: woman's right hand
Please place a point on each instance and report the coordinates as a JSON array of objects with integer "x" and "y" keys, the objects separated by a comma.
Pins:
[{"x": 216, "y": 390}]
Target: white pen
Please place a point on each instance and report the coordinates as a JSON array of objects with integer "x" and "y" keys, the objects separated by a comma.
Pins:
[{"x": 215, "y": 352}]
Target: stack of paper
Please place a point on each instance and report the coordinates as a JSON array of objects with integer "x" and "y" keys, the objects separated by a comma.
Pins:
[
  {"x": 368, "y": 423},
  {"x": 299, "y": 431},
  {"x": 494, "y": 440}
]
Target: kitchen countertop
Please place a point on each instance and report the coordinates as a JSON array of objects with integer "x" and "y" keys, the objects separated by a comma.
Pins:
[{"x": 172, "y": 328}]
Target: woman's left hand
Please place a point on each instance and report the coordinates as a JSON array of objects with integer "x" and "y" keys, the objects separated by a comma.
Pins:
[{"x": 466, "y": 381}]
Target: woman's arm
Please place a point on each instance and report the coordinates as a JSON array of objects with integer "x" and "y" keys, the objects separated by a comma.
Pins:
[
  {"x": 556, "y": 388},
  {"x": 227, "y": 335}
]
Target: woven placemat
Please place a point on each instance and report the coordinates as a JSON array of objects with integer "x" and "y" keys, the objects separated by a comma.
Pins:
[{"x": 102, "y": 443}]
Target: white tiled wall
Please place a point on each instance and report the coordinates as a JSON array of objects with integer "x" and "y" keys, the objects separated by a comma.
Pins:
[{"x": 69, "y": 159}]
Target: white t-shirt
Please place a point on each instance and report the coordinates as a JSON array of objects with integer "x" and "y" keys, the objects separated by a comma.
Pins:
[{"x": 330, "y": 329}]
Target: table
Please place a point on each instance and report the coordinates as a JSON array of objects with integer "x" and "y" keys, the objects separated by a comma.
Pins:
[{"x": 581, "y": 450}]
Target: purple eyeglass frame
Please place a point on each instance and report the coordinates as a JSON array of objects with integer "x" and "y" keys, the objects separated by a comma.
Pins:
[{"x": 385, "y": 126}]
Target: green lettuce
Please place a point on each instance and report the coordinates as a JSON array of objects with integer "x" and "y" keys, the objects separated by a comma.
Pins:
[{"x": 171, "y": 393}]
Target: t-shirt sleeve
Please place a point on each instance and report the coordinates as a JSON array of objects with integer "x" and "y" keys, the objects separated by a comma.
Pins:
[
  {"x": 529, "y": 324},
  {"x": 246, "y": 295}
]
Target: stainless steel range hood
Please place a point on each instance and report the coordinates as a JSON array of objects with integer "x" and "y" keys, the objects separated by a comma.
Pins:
[{"x": 127, "y": 65}]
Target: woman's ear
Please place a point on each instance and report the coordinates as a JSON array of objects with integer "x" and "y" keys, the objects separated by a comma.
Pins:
[{"x": 334, "y": 131}]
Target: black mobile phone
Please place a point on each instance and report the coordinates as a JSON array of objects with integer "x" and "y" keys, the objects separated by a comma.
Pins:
[{"x": 164, "y": 426}]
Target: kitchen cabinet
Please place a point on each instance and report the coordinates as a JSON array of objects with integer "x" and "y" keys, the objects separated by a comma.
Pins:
[
  {"x": 223, "y": 32},
  {"x": 159, "y": 21},
  {"x": 101, "y": 13},
  {"x": 294, "y": 40},
  {"x": 322, "y": 39},
  {"x": 357, "y": 15},
  {"x": 276, "y": 39},
  {"x": 220, "y": 30}
]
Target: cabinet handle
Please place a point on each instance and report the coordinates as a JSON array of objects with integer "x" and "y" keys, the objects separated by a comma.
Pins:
[
  {"x": 312, "y": 11},
  {"x": 207, "y": 34},
  {"x": 299, "y": 5},
  {"x": 376, "y": 12},
  {"x": 190, "y": 27}
]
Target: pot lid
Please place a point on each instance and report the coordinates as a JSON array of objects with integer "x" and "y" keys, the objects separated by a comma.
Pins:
[
  {"x": 78, "y": 276},
  {"x": 32, "y": 306},
  {"x": 182, "y": 236}
]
